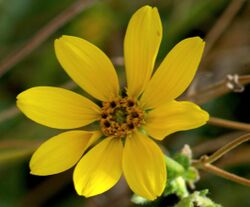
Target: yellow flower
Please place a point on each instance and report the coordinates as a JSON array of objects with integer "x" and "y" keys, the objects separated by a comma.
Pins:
[{"x": 148, "y": 110}]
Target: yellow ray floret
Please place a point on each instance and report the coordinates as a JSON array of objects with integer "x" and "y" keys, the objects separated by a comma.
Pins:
[{"x": 126, "y": 122}]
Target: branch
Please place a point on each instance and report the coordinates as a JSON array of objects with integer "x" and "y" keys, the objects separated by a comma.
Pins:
[
  {"x": 13, "y": 111},
  {"x": 214, "y": 90},
  {"x": 222, "y": 173},
  {"x": 212, "y": 145},
  {"x": 222, "y": 23},
  {"x": 229, "y": 124},
  {"x": 60, "y": 20},
  {"x": 204, "y": 162},
  {"x": 9, "y": 113},
  {"x": 225, "y": 149}
]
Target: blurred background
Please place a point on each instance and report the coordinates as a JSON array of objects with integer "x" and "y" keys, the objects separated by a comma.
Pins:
[{"x": 27, "y": 31}]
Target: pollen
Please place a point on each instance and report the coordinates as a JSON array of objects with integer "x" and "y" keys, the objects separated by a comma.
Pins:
[{"x": 120, "y": 117}]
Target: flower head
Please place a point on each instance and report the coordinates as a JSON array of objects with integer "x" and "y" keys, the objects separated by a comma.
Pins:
[{"x": 127, "y": 122}]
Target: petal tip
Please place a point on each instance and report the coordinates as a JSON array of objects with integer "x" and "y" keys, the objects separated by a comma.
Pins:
[
  {"x": 36, "y": 172},
  {"x": 199, "y": 40},
  {"x": 146, "y": 7},
  {"x": 206, "y": 116}
]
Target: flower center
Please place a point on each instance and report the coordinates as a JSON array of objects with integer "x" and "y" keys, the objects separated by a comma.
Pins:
[{"x": 120, "y": 117}]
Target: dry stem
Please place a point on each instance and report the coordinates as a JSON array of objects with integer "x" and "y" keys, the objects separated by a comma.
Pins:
[
  {"x": 60, "y": 20},
  {"x": 204, "y": 162},
  {"x": 229, "y": 124},
  {"x": 214, "y": 90},
  {"x": 222, "y": 23},
  {"x": 222, "y": 173}
]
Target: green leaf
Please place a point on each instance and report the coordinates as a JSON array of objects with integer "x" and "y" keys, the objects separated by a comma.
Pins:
[
  {"x": 197, "y": 199},
  {"x": 184, "y": 160},
  {"x": 139, "y": 200},
  {"x": 177, "y": 186},
  {"x": 174, "y": 169},
  {"x": 191, "y": 175}
]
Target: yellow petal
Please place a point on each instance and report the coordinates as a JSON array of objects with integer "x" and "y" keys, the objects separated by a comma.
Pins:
[
  {"x": 174, "y": 116},
  {"x": 99, "y": 169},
  {"x": 174, "y": 74},
  {"x": 144, "y": 166},
  {"x": 57, "y": 107},
  {"x": 141, "y": 45},
  {"x": 61, "y": 152},
  {"x": 88, "y": 66}
]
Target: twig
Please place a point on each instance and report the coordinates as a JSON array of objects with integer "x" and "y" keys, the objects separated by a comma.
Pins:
[
  {"x": 60, "y": 20},
  {"x": 13, "y": 111},
  {"x": 222, "y": 173},
  {"x": 204, "y": 162},
  {"x": 6, "y": 156},
  {"x": 229, "y": 124},
  {"x": 18, "y": 143},
  {"x": 212, "y": 145},
  {"x": 228, "y": 147},
  {"x": 8, "y": 114},
  {"x": 214, "y": 90},
  {"x": 242, "y": 158},
  {"x": 47, "y": 189},
  {"x": 222, "y": 23}
]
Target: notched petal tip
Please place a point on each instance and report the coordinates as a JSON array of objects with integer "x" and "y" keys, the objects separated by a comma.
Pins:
[
  {"x": 197, "y": 40},
  {"x": 205, "y": 115},
  {"x": 33, "y": 172},
  {"x": 146, "y": 7}
]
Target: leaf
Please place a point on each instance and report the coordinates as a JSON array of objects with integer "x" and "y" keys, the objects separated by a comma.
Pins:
[
  {"x": 184, "y": 160},
  {"x": 198, "y": 198},
  {"x": 177, "y": 186},
  {"x": 139, "y": 200},
  {"x": 174, "y": 169}
]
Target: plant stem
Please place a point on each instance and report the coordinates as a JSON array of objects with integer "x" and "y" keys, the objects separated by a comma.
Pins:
[
  {"x": 220, "y": 152},
  {"x": 214, "y": 90},
  {"x": 222, "y": 173},
  {"x": 60, "y": 20},
  {"x": 228, "y": 147},
  {"x": 222, "y": 23},
  {"x": 204, "y": 162},
  {"x": 229, "y": 124},
  {"x": 12, "y": 111}
]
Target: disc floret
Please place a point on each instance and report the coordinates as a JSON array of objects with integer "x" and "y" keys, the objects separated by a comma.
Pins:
[{"x": 120, "y": 117}]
